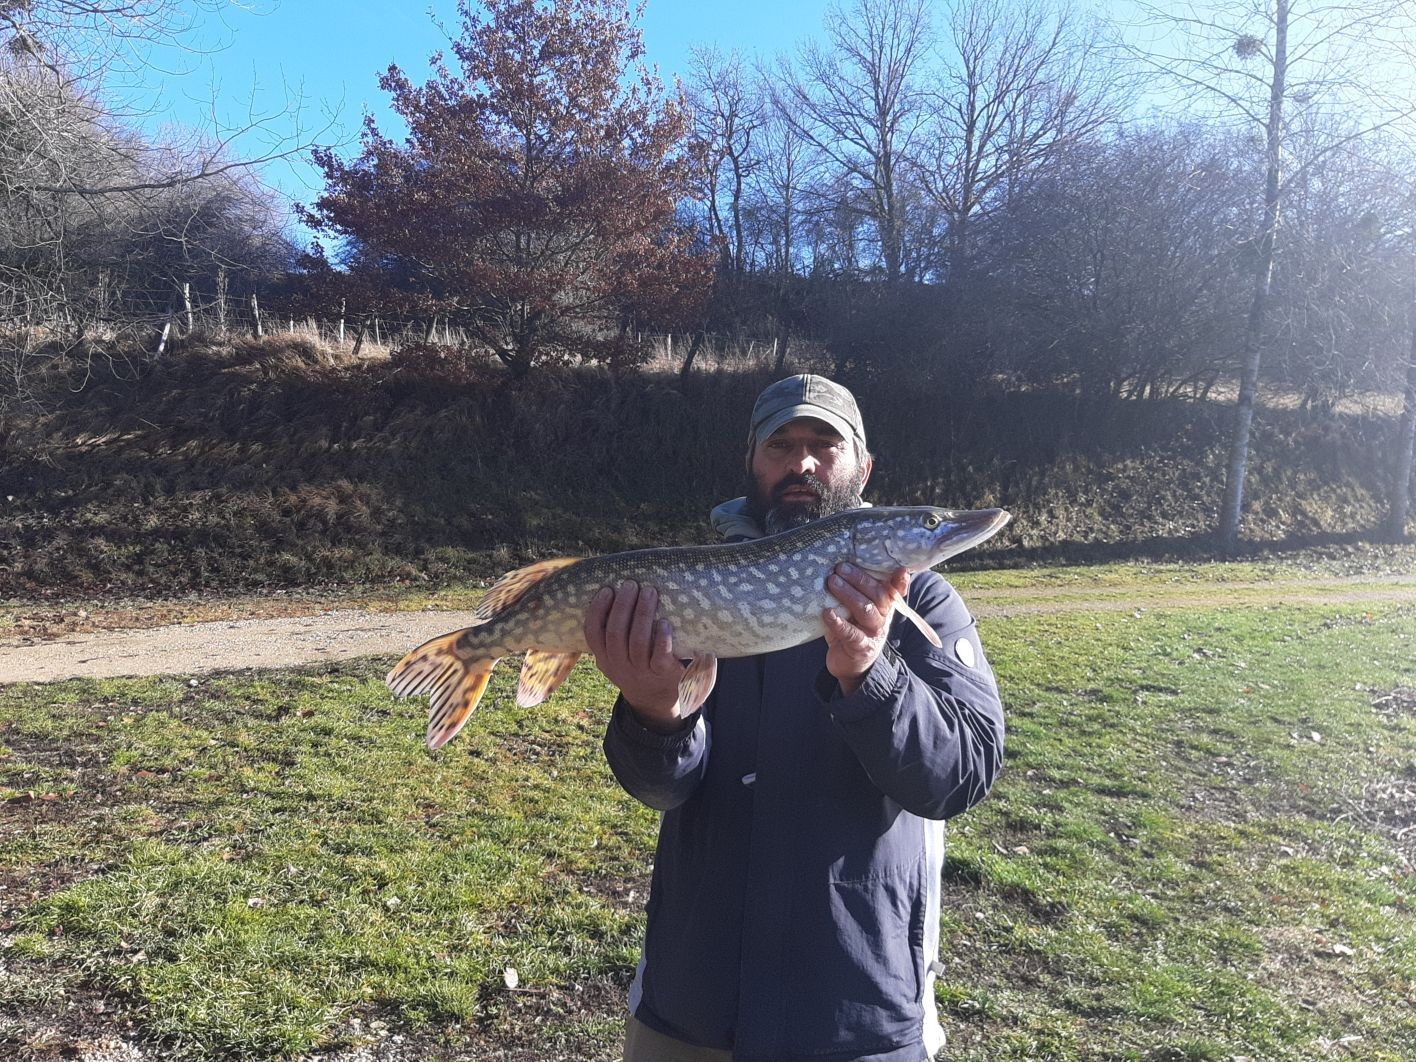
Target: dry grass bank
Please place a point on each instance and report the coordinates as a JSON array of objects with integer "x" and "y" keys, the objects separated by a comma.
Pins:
[{"x": 286, "y": 462}]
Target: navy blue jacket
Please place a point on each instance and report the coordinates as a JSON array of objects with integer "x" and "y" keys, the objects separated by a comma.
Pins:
[{"x": 794, "y": 910}]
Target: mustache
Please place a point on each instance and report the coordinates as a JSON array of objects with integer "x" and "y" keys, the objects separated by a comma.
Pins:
[{"x": 795, "y": 480}]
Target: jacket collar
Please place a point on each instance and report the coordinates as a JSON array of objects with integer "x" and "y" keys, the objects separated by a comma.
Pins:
[{"x": 731, "y": 520}]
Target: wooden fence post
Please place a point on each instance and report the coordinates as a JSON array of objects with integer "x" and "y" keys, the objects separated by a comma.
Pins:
[
  {"x": 162, "y": 339},
  {"x": 256, "y": 313},
  {"x": 221, "y": 300}
]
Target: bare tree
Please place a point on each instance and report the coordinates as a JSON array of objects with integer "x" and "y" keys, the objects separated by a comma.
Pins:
[
  {"x": 860, "y": 104},
  {"x": 727, "y": 115},
  {"x": 95, "y": 51},
  {"x": 1400, "y": 498},
  {"x": 1339, "y": 289},
  {"x": 1403, "y": 458},
  {"x": 1269, "y": 64},
  {"x": 98, "y": 223},
  {"x": 1018, "y": 85},
  {"x": 1114, "y": 274},
  {"x": 781, "y": 183}
]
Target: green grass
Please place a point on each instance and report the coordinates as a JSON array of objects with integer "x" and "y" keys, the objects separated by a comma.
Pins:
[{"x": 1184, "y": 859}]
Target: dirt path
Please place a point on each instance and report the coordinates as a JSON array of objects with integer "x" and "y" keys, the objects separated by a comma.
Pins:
[{"x": 342, "y": 634}]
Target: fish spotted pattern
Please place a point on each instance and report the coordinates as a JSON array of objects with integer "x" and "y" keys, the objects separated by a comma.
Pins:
[{"x": 728, "y": 600}]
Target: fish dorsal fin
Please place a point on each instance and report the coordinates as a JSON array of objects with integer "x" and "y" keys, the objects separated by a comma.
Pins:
[
  {"x": 512, "y": 586},
  {"x": 918, "y": 620}
]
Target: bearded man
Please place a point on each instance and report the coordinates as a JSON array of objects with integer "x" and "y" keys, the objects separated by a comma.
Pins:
[{"x": 794, "y": 909}]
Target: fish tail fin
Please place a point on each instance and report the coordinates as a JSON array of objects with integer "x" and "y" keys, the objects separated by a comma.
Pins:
[{"x": 451, "y": 675}]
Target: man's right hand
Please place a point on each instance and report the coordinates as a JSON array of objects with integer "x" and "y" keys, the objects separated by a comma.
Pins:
[{"x": 634, "y": 650}]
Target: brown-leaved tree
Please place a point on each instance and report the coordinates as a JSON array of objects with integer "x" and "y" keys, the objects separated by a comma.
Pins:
[{"x": 533, "y": 199}]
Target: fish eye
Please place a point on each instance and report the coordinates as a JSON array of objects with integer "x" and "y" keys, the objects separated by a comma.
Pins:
[{"x": 931, "y": 522}]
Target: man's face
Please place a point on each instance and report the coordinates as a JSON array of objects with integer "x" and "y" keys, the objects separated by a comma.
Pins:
[{"x": 803, "y": 471}]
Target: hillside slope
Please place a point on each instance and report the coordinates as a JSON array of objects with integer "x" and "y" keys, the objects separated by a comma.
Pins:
[{"x": 275, "y": 465}]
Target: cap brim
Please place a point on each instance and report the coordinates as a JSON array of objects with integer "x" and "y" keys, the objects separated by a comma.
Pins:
[{"x": 776, "y": 420}]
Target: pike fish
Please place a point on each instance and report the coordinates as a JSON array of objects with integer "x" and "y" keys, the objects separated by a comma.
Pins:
[{"x": 726, "y": 600}]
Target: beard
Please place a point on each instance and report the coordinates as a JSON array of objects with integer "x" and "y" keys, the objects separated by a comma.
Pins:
[{"x": 774, "y": 515}]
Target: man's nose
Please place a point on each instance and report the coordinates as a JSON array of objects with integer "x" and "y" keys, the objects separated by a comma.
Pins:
[{"x": 803, "y": 461}]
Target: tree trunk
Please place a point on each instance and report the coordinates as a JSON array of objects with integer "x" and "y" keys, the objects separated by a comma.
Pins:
[
  {"x": 693, "y": 349},
  {"x": 1405, "y": 445},
  {"x": 1227, "y": 534},
  {"x": 780, "y": 345}
]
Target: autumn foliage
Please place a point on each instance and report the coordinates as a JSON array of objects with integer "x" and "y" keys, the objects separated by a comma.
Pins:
[{"x": 533, "y": 200}]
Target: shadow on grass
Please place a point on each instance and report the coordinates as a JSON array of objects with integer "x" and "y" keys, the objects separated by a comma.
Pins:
[{"x": 1196, "y": 548}]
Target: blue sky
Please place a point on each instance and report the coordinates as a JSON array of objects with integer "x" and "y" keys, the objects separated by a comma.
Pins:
[{"x": 329, "y": 53}]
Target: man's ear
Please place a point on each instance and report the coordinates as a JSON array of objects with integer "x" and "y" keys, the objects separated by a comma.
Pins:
[{"x": 865, "y": 477}]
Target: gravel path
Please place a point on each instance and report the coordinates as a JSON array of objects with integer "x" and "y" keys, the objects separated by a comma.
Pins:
[{"x": 342, "y": 634}]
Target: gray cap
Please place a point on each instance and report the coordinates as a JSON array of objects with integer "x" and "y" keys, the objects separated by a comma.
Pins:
[{"x": 805, "y": 396}]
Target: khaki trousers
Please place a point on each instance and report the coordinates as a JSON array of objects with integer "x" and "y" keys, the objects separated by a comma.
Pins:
[{"x": 643, "y": 1044}]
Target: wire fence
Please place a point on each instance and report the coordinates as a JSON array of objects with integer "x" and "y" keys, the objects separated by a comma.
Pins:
[{"x": 364, "y": 335}]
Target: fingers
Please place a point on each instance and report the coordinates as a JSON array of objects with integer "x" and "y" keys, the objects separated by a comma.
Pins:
[
  {"x": 620, "y": 627},
  {"x": 595, "y": 617},
  {"x": 842, "y": 632},
  {"x": 662, "y": 657},
  {"x": 866, "y": 598},
  {"x": 640, "y": 642}
]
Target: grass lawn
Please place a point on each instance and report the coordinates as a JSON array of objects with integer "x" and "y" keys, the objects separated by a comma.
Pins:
[{"x": 1196, "y": 852}]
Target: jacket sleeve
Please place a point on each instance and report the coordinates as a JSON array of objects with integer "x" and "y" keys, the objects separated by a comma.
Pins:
[
  {"x": 660, "y": 770},
  {"x": 926, "y": 723}
]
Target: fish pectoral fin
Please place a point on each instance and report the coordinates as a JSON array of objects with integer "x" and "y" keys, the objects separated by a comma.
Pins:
[
  {"x": 455, "y": 684},
  {"x": 697, "y": 682},
  {"x": 512, "y": 586},
  {"x": 541, "y": 674},
  {"x": 918, "y": 620}
]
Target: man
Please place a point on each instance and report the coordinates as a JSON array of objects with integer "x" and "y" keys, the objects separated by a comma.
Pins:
[{"x": 794, "y": 910}]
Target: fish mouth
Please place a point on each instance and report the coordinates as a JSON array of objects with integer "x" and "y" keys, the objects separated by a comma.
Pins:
[{"x": 966, "y": 529}]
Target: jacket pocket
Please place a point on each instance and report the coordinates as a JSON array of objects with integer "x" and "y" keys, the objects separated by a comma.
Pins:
[{"x": 857, "y": 963}]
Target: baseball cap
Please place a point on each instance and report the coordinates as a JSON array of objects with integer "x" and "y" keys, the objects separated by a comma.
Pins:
[{"x": 805, "y": 395}]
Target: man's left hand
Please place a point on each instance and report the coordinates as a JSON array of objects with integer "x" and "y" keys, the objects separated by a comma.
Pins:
[{"x": 854, "y": 644}]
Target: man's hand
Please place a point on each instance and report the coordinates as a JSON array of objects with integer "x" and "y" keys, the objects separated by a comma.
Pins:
[
  {"x": 634, "y": 650},
  {"x": 855, "y": 643}
]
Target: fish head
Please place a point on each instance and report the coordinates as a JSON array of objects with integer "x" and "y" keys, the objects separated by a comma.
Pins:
[{"x": 919, "y": 536}]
